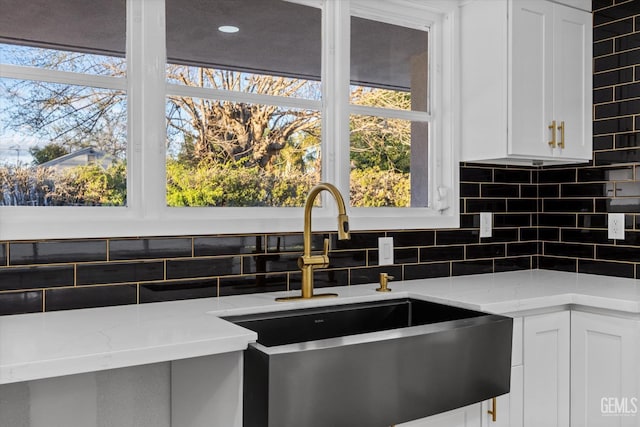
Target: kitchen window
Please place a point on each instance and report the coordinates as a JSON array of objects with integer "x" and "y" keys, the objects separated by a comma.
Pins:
[{"x": 230, "y": 111}]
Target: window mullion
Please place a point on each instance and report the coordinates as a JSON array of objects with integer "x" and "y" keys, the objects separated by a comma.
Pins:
[
  {"x": 62, "y": 77},
  {"x": 416, "y": 116},
  {"x": 235, "y": 96},
  {"x": 335, "y": 78},
  {"x": 146, "y": 54}
]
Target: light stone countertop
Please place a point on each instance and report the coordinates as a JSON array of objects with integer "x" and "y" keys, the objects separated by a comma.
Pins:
[{"x": 44, "y": 345}]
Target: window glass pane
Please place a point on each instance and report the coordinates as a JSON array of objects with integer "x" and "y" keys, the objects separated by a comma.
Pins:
[
  {"x": 222, "y": 153},
  {"x": 243, "y": 82},
  {"x": 61, "y": 145},
  {"x": 388, "y": 162},
  {"x": 389, "y": 65},
  {"x": 61, "y": 60},
  {"x": 276, "y": 49},
  {"x": 226, "y": 153}
]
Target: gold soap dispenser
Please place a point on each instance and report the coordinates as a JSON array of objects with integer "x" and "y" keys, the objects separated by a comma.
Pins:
[{"x": 384, "y": 281}]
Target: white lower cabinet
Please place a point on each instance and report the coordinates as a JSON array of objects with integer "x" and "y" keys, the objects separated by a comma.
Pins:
[
  {"x": 604, "y": 371},
  {"x": 570, "y": 369},
  {"x": 546, "y": 363}
]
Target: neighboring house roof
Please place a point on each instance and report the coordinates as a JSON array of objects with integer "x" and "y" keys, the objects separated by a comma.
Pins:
[{"x": 83, "y": 157}]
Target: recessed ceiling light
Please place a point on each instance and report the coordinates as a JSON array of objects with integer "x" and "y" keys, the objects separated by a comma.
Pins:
[{"x": 228, "y": 29}]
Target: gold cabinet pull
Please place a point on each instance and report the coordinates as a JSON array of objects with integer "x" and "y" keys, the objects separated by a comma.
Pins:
[
  {"x": 494, "y": 411},
  {"x": 552, "y": 126},
  {"x": 561, "y": 129}
]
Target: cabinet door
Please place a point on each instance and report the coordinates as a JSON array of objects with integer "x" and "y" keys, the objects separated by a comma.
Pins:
[
  {"x": 531, "y": 63},
  {"x": 572, "y": 84},
  {"x": 546, "y": 370},
  {"x": 604, "y": 360},
  {"x": 469, "y": 416}
]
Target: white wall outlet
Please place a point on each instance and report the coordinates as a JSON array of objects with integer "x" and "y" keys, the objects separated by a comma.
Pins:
[
  {"x": 486, "y": 224},
  {"x": 385, "y": 250},
  {"x": 616, "y": 226}
]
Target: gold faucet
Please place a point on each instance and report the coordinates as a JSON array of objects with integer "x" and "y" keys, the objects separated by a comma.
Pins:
[{"x": 308, "y": 262}]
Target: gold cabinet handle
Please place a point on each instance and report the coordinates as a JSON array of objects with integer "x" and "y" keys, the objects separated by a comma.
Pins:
[
  {"x": 494, "y": 411},
  {"x": 552, "y": 126},
  {"x": 561, "y": 129}
]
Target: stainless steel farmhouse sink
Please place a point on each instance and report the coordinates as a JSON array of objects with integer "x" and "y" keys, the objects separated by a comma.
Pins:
[{"x": 371, "y": 364}]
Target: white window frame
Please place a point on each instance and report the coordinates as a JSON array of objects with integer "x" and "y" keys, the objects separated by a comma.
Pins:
[{"x": 146, "y": 213}]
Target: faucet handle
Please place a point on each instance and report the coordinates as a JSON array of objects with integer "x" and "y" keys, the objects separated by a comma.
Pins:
[{"x": 326, "y": 247}]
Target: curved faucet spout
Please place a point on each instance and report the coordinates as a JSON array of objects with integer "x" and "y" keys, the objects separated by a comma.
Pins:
[{"x": 308, "y": 262}]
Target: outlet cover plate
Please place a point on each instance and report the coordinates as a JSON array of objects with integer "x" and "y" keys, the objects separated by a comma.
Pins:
[
  {"x": 385, "y": 250},
  {"x": 486, "y": 224},
  {"x": 616, "y": 226}
]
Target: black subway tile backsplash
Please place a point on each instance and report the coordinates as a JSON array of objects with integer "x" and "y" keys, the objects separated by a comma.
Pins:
[
  {"x": 623, "y": 124},
  {"x": 618, "y": 253},
  {"x": 203, "y": 267},
  {"x": 119, "y": 272},
  {"x": 427, "y": 271},
  {"x": 476, "y": 174},
  {"x": 253, "y": 284},
  {"x": 89, "y": 297},
  {"x": 630, "y": 41},
  {"x": 512, "y": 264},
  {"x": 230, "y": 245},
  {"x": 51, "y": 252},
  {"x": 342, "y": 259},
  {"x": 551, "y": 217},
  {"x": 453, "y": 237},
  {"x": 20, "y": 302},
  {"x": 613, "y": 77},
  {"x": 522, "y": 176},
  {"x": 445, "y": 253},
  {"x": 178, "y": 290},
  {"x": 604, "y": 47},
  {"x": 628, "y": 140},
  {"x": 499, "y": 190},
  {"x": 501, "y": 235},
  {"x": 558, "y": 263},
  {"x": 583, "y": 235},
  {"x": 127, "y": 249},
  {"x": 614, "y": 29},
  {"x": 35, "y": 277},
  {"x": 617, "y": 60},
  {"x": 403, "y": 239},
  {"x": 485, "y": 205},
  {"x": 522, "y": 248},
  {"x": 617, "y": 269},
  {"x": 357, "y": 240},
  {"x": 619, "y": 108},
  {"x": 603, "y": 142},
  {"x": 573, "y": 250},
  {"x": 601, "y": 4},
  {"x": 463, "y": 268},
  {"x": 485, "y": 251},
  {"x": 585, "y": 190}
]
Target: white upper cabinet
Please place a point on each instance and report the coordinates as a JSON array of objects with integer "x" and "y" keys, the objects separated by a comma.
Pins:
[{"x": 526, "y": 82}]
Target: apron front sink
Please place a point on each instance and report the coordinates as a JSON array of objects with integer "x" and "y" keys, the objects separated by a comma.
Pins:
[{"x": 371, "y": 364}]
